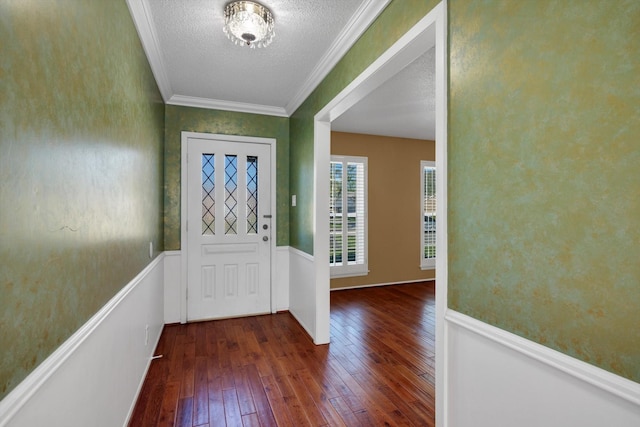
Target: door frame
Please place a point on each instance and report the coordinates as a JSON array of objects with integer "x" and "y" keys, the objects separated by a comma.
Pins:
[{"x": 184, "y": 138}]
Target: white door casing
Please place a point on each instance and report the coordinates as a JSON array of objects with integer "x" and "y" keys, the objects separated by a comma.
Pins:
[{"x": 227, "y": 225}]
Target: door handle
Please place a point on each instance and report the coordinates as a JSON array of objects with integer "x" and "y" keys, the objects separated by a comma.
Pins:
[{"x": 265, "y": 238}]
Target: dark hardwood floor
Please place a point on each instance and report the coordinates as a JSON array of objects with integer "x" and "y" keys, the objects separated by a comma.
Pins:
[{"x": 266, "y": 371}]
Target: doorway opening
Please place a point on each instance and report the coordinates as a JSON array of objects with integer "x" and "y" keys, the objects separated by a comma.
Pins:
[{"x": 428, "y": 32}]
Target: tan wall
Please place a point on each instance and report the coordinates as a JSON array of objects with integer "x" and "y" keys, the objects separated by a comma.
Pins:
[{"x": 394, "y": 205}]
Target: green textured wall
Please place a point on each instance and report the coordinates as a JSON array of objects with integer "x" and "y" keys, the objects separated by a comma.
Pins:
[
  {"x": 179, "y": 119},
  {"x": 81, "y": 146},
  {"x": 393, "y": 23},
  {"x": 544, "y": 173}
]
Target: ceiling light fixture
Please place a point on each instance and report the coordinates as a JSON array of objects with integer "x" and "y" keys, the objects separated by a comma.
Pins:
[{"x": 248, "y": 23}]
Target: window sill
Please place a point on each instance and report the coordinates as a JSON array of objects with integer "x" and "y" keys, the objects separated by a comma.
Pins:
[
  {"x": 428, "y": 264},
  {"x": 349, "y": 274}
]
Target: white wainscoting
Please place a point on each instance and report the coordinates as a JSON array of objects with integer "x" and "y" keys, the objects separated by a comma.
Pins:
[
  {"x": 281, "y": 287},
  {"x": 499, "y": 379},
  {"x": 172, "y": 295},
  {"x": 94, "y": 377},
  {"x": 172, "y": 277},
  {"x": 302, "y": 302}
]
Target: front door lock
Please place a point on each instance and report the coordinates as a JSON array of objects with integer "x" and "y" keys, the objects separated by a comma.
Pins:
[{"x": 265, "y": 238}]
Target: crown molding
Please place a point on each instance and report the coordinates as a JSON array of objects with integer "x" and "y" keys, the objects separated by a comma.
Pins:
[
  {"x": 368, "y": 11},
  {"x": 149, "y": 39},
  {"x": 357, "y": 25},
  {"x": 216, "y": 104}
]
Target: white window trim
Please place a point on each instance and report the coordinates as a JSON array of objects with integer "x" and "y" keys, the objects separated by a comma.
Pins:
[
  {"x": 425, "y": 263},
  {"x": 354, "y": 270}
]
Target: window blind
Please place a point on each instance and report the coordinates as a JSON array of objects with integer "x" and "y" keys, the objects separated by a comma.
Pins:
[
  {"x": 348, "y": 216},
  {"x": 428, "y": 185}
]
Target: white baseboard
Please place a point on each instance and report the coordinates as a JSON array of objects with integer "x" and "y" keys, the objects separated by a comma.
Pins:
[
  {"x": 496, "y": 378},
  {"x": 302, "y": 303},
  {"x": 94, "y": 377},
  {"x": 382, "y": 284}
]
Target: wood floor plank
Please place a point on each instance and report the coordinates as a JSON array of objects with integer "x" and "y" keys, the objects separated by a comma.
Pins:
[
  {"x": 425, "y": 389},
  {"x": 343, "y": 390},
  {"x": 365, "y": 419},
  {"x": 348, "y": 416},
  {"x": 242, "y": 339},
  {"x": 380, "y": 410},
  {"x": 201, "y": 339},
  {"x": 201, "y": 390},
  {"x": 250, "y": 420},
  {"x": 230, "y": 335},
  {"x": 224, "y": 359},
  {"x": 175, "y": 359},
  {"x": 427, "y": 412},
  {"x": 319, "y": 386},
  {"x": 188, "y": 368},
  {"x": 381, "y": 391},
  {"x": 258, "y": 332},
  {"x": 152, "y": 392},
  {"x": 232, "y": 414},
  {"x": 245, "y": 398},
  {"x": 216, "y": 402},
  {"x": 276, "y": 401},
  {"x": 211, "y": 340},
  {"x": 154, "y": 408},
  {"x": 294, "y": 406},
  {"x": 380, "y": 396},
  {"x": 260, "y": 400},
  {"x": 379, "y": 368},
  {"x": 255, "y": 353},
  {"x": 311, "y": 411},
  {"x": 167, "y": 340},
  {"x": 169, "y": 405},
  {"x": 228, "y": 378},
  {"x": 320, "y": 398},
  {"x": 184, "y": 413}
]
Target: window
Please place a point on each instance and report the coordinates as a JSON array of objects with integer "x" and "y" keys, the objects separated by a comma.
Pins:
[
  {"x": 428, "y": 232},
  {"x": 348, "y": 230}
]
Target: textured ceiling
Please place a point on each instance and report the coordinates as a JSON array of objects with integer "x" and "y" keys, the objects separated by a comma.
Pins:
[
  {"x": 195, "y": 64},
  {"x": 404, "y": 106}
]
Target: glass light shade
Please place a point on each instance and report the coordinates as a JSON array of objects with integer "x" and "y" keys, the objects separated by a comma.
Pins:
[{"x": 247, "y": 23}]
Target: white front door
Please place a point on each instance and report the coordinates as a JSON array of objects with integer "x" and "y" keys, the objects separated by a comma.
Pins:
[{"x": 228, "y": 228}]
